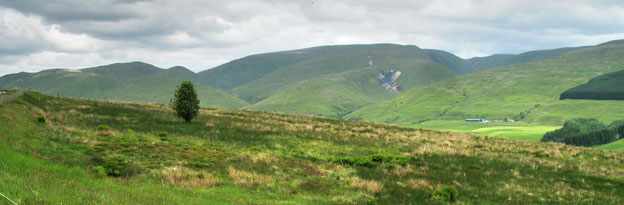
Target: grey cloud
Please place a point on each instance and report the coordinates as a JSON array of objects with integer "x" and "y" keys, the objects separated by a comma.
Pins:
[
  {"x": 201, "y": 34},
  {"x": 72, "y": 10}
]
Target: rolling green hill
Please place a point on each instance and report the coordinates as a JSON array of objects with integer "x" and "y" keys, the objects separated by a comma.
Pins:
[
  {"x": 605, "y": 87},
  {"x": 525, "y": 91},
  {"x": 136, "y": 81},
  {"x": 257, "y": 77},
  {"x": 269, "y": 84},
  {"x": 75, "y": 151},
  {"x": 464, "y": 66},
  {"x": 339, "y": 94},
  {"x": 328, "y": 81}
]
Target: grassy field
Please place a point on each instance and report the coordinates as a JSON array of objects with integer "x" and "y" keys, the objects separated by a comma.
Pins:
[
  {"x": 506, "y": 130},
  {"x": 69, "y": 151},
  {"x": 614, "y": 146}
]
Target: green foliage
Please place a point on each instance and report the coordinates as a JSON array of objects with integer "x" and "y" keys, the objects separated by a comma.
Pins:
[
  {"x": 100, "y": 171},
  {"x": 605, "y": 87},
  {"x": 116, "y": 166},
  {"x": 103, "y": 128},
  {"x": 162, "y": 134},
  {"x": 185, "y": 102},
  {"x": 372, "y": 161},
  {"x": 446, "y": 194},
  {"x": 582, "y": 132},
  {"x": 618, "y": 125},
  {"x": 41, "y": 119}
]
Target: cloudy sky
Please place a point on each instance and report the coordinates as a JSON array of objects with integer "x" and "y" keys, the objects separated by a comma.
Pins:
[{"x": 201, "y": 34}]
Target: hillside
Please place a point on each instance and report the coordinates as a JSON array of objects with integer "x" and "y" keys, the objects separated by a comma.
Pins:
[
  {"x": 99, "y": 152},
  {"x": 526, "y": 91},
  {"x": 339, "y": 94},
  {"x": 257, "y": 77},
  {"x": 464, "y": 66},
  {"x": 136, "y": 81},
  {"x": 609, "y": 86}
]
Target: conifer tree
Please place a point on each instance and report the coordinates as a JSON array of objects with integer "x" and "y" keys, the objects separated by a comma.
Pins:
[{"x": 185, "y": 102}]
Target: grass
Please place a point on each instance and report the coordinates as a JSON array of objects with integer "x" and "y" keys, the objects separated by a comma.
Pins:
[
  {"x": 614, "y": 146},
  {"x": 234, "y": 156},
  {"x": 506, "y": 130}
]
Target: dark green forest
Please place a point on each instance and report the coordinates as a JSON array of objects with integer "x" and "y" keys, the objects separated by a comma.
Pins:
[
  {"x": 586, "y": 132},
  {"x": 605, "y": 87}
]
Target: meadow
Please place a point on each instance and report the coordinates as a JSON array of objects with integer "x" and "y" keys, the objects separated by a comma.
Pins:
[
  {"x": 506, "y": 130},
  {"x": 74, "y": 151}
]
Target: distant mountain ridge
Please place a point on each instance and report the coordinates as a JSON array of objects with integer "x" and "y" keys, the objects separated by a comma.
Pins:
[
  {"x": 331, "y": 81},
  {"x": 134, "y": 81}
]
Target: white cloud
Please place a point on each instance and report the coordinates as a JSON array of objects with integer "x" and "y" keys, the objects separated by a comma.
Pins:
[{"x": 200, "y": 34}]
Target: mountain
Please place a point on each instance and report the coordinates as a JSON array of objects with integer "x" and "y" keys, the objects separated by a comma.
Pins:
[
  {"x": 605, "y": 87},
  {"x": 339, "y": 94},
  {"x": 330, "y": 81},
  {"x": 135, "y": 81},
  {"x": 524, "y": 91},
  {"x": 464, "y": 66}
]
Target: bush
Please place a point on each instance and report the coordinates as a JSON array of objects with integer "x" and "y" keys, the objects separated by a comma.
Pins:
[
  {"x": 162, "y": 134},
  {"x": 102, "y": 128},
  {"x": 99, "y": 171},
  {"x": 41, "y": 119},
  {"x": 116, "y": 166},
  {"x": 389, "y": 161},
  {"x": 445, "y": 194}
]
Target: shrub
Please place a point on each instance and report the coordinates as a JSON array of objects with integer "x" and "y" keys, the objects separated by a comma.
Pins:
[
  {"x": 389, "y": 161},
  {"x": 445, "y": 194},
  {"x": 162, "y": 134},
  {"x": 41, "y": 119},
  {"x": 99, "y": 171},
  {"x": 117, "y": 166},
  {"x": 102, "y": 128}
]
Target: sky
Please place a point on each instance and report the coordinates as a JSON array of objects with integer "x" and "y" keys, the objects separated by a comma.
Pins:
[{"x": 202, "y": 34}]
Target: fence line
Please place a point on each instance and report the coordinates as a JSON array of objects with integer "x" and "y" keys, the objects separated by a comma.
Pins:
[
  {"x": 8, "y": 199},
  {"x": 7, "y": 98}
]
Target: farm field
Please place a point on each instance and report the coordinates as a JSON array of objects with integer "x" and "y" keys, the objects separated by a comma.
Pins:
[{"x": 506, "y": 130}]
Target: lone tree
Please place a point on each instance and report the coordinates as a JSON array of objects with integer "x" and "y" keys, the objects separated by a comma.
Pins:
[{"x": 185, "y": 102}]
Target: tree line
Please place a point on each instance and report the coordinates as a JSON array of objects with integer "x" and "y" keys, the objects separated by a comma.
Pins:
[
  {"x": 605, "y": 87},
  {"x": 586, "y": 132}
]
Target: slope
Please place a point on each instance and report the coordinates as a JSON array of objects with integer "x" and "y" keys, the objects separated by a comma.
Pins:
[
  {"x": 527, "y": 91},
  {"x": 338, "y": 94},
  {"x": 98, "y": 152},
  {"x": 135, "y": 81},
  {"x": 605, "y": 87},
  {"x": 240, "y": 71},
  {"x": 464, "y": 66},
  {"x": 269, "y": 84}
]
